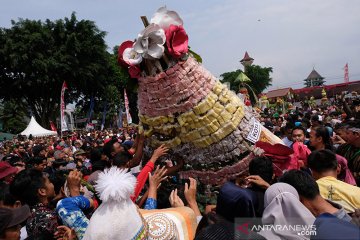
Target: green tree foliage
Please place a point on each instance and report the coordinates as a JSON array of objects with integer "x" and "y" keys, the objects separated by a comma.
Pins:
[
  {"x": 12, "y": 116},
  {"x": 113, "y": 95},
  {"x": 259, "y": 76},
  {"x": 36, "y": 57}
]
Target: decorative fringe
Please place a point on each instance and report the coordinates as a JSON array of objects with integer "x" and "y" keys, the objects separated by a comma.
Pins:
[{"x": 115, "y": 184}]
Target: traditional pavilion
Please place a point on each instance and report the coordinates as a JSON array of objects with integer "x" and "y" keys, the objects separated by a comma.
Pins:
[{"x": 314, "y": 79}]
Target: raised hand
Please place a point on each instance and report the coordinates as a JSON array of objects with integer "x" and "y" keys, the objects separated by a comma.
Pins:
[
  {"x": 73, "y": 182},
  {"x": 160, "y": 151},
  {"x": 158, "y": 176},
  {"x": 190, "y": 191},
  {"x": 257, "y": 180},
  {"x": 175, "y": 200}
]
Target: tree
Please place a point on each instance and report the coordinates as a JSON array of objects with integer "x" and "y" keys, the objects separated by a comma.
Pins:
[
  {"x": 113, "y": 95},
  {"x": 259, "y": 76},
  {"x": 36, "y": 57},
  {"x": 13, "y": 117}
]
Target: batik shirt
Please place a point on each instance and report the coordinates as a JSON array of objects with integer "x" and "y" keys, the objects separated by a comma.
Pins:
[
  {"x": 150, "y": 204},
  {"x": 71, "y": 213},
  {"x": 43, "y": 221}
]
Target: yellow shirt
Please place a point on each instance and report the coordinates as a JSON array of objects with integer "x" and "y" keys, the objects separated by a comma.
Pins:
[{"x": 340, "y": 192}]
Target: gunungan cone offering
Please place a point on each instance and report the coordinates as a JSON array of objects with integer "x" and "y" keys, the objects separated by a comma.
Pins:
[{"x": 184, "y": 106}]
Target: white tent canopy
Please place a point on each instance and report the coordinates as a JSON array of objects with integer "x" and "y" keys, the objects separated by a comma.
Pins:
[{"x": 36, "y": 130}]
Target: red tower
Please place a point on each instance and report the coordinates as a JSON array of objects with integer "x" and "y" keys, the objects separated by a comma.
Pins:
[{"x": 346, "y": 73}]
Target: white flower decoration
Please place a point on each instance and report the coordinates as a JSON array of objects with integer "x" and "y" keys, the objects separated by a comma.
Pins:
[
  {"x": 150, "y": 42},
  {"x": 164, "y": 18},
  {"x": 131, "y": 57}
]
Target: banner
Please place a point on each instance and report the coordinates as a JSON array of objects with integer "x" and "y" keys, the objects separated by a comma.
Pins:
[
  {"x": 62, "y": 109},
  {"x": 91, "y": 110},
  {"x": 104, "y": 116},
  {"x": 128, "y": 116},
  {"x": 120, "y": 120}
]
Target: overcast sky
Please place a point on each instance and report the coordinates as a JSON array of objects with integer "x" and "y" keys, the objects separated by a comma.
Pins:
[{"x": 292, "y": 36}]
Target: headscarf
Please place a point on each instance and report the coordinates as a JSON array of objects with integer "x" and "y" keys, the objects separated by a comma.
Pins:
[
  {"x": 282, "y": 207},
  {"x": 345, "y": 174}
]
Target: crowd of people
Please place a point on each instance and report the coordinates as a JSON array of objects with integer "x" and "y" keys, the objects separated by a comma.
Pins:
[{"x": 101, "y": 185}]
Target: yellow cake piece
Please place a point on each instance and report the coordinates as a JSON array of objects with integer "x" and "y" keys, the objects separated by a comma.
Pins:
[
  {"x": 218, "y": 108},
  {"x": 202, "y": 107},
  {"x": 228, "y": 128},
  {"x": 191, "y": 125},
  {"x": 211, "y": 99},
  {"x": 223, "y": 99},
  {"x": 198, "y": 124},
  {"x": 186, "y": 118},
  {"x": 211, "y": 114},
  {"x": 156, "y": 121},
  {"x": 148, "y": 133},
  {"x": 205, "y": 120},
  {"x": 218, "y": 135},
  {"x": 230, "y": 108},
  {"x": 226, "y": 115},
  {"x": 221, "y": 120},
  {"x": 166, "y": 129},
  {"x": 238, "y": 115},
  {"x": 181, "y": 120},
  {"x": 218, "y": 87},
  {"x": 190, "y": 136},
  {"x": 142, "y": 118},
  {"x": 203, "y": 142},
  {"x": 169, "y": 143},
  {"x": 171, "y": 119},
  {"x": 173, "y": 143},
  {"x": 213, "y": 96},
  {"x": 205, "y": 131},
  {"x": 213, "y": 126},
  {"x": 183, "y": 130}
]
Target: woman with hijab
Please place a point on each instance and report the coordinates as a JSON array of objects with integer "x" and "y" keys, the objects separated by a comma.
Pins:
[{"x": 283, "y": 212}]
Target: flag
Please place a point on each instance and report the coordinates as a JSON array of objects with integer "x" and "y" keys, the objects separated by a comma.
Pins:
[
  {"x": 120, "y": 120},
  {"x": 52, "y": 126},
  {"x": 62, "y": 108},
  {"x": 91, "y": 110},
  {"x": 104, "y": 116},
  {"x": 128, "y": 116},
  {"x": 346, "y": 73}
]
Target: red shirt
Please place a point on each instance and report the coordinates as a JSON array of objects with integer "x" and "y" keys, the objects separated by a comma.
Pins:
[{"x": 141, "y": 179}]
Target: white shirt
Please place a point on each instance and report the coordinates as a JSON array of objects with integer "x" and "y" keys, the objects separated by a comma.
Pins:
[{"x": 287, "y": 142}]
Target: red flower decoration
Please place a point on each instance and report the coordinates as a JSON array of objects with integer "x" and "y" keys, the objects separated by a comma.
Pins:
[
  {"x": 122, "y": 47},
  {"x": 176, "y": 41},
  {"x": 134, "y": 71}
]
